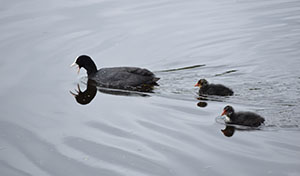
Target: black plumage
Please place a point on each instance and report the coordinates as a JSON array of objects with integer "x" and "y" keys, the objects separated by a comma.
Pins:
[
  {"x": 129, "y": 78},
  {"x": 242, "y": 118},
  {"x": 212, "y": 89}
]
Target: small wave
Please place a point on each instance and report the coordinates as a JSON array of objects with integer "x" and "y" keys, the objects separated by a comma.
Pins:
[{"x": 182, "y": 68}]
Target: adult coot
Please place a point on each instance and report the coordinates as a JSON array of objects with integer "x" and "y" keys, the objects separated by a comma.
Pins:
[
  {"x": 129, "y": 78},
  {"x": 212, "y": 89},
  {"x": 242, "y": 118}
]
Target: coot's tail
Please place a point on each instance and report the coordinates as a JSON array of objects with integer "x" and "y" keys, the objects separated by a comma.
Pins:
[{"x": 154, "y": 81}]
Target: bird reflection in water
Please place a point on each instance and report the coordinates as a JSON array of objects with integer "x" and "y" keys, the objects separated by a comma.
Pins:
[
  {"x": 228, "y": 131},
  {"x": 85, "y": 97},
  {"x": 202, "y": 104},
  {"x": 203, "y": 99}
]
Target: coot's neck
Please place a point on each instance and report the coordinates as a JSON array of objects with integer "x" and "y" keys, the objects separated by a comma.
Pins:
[
  {"x": 90, "y": 67},
  {"x": 232, "y": 116}
]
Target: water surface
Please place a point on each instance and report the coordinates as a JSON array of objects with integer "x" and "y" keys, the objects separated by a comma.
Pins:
[{"x": 250, "y": 46}]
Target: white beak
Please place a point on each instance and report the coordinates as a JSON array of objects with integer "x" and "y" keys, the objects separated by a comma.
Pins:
[{"x": 74, "y": 64}]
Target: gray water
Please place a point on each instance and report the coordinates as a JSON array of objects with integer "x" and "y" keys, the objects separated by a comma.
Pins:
[{"x": 249, "y": 46}]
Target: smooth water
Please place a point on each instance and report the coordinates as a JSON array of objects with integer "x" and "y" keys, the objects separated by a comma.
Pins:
[{"x": 249, "y": 46}]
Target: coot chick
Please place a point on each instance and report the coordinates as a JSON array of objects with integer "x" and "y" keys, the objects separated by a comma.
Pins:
[
  {"x": 212, "y": 89},
  {"x": 242, "y": 118},
  {"x": 129, "y": 78}
]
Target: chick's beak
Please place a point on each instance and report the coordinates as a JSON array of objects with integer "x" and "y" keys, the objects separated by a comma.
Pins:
[
  {"x": 75, "y": 64},
  {"x": 223, "y": 113},
  {"x": 197, "y": 85}
]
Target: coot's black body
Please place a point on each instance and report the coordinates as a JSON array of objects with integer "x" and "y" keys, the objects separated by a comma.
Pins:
[
  {"x": 129, "y": 78},
  {"x": 123, "y": 77},
  {"x": 213, "y": 89},
  {"x": 242, "y": 118}
]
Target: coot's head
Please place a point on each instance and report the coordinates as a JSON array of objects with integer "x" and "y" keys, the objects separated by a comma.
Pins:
[
  {"x": 201, "y": 82},
  {"x": 85, "y": 62},
  {"x": 228, "y": 111}
]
